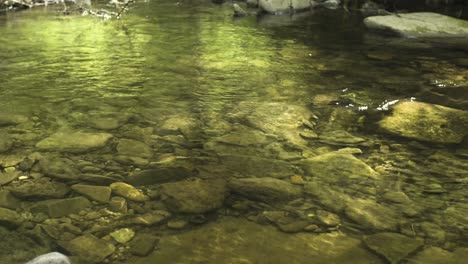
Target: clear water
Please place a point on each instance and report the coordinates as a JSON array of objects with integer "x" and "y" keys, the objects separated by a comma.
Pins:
[{"x": 191, "y": 59}]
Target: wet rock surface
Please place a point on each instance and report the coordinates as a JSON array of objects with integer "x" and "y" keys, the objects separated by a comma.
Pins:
[
  {"x": 426, "y": 122},
  {"x": 74, "y": 141}
]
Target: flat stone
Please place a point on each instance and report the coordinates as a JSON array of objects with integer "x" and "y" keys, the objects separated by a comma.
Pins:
[
  {"x": 258, "y": 167},
  {"x": 143, "y": 244},
  {"x": 235, "y": 240},
  {"x": 99, "y": 179},
  {"x": 244, "y": 136},
  {"x": 133, "y": 148},
  {"x": 179, "y": 124},
  {"x": 75, "y": 142},
  {"x": 40, "y": 188},
  {"x": 335, "y": 167},
  {"x": 128, "y": 191},
  {"x": 89, "y": 248},
  {"x": 194, "y": 196},
  {"x": 396, "y": 197},
  {"x": 159, "y": 175},
  {"x": 7, "y": 200},
  {"x": 393, "y": 246},
  {"x": 419, "y": 25},
  {"x": 265, "y": 189},
  {"x": 96, "y": 193},
  {"x": 327, "y": 218},
  {"x": 426, "y": 122},
  {"x": 118, "y": 204},
  {"x": 60, "y": 207},
  {"x": 371, "y": 215},
  {"x": 9, "y": 217}
]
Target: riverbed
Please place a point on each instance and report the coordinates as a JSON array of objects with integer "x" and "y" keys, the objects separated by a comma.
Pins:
[{"x": 179, "y": 134}]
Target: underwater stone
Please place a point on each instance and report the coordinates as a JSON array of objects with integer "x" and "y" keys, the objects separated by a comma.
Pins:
[
  {"x": 89, "y": 248},
  {"x": 159, "y": 175},
  {"x": 371, "y": 215},
  {"x": 51, "y": 258},
  {"x": 194, "y": 196},
  {"x": 7, "y": 200},
  {"x": 9, "y": 217},
  {"x": 335, "y": 167},
  {"x": 75, "y": 142},
  {"x": 123, "y": 235},
  {"x": 393, "y": 246},
  {"x": 60, "y": 207},
  {"x": 40, "y": 188},
  {"x": 133, "y": 148},
  {"x": 266, "y": 189},
  {"x": 143, "y": 244},
  {"x": 426, "y": 122},
  {"x": 96, "y": 193},
  {"x": 259, "y": 167},
  {"x": 128, "y": 191}
]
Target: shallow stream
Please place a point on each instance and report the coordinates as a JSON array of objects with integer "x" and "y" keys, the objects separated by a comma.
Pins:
[{"x": 221, "y": 101}]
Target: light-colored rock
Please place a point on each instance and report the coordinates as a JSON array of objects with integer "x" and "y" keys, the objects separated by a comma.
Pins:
[
  {"x": 334, "y": 167},
  {"x": 152, "y": 218},
  {"x": 426, "y": 122},
  {"x": 96, "y": 193},
  {"x": 89, "y": 248},
  {"x": 128, "y": 191},
  {"x": 424, "y": 24},
  {"x": 194, "y": 196},
  {"x": 118, "y": 204},
  {"x": 393, "y": 246},
  {"x": 123, "y": 235},
  {"x": 266, "y": 189},
  {"x": 75, "y": 142},
  {"x": 235, "y": 240}
]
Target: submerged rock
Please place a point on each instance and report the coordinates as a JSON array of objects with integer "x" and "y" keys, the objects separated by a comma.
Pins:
[
  {"x": 40, "y": 188},
  {"x": 235, "y": 240},
  {"x": 283, "y": 6},
  {"x": 89, "y": 248},
  {"x": 394, "y": 247},
  {"x": 75, "y": 142},
  {"x": 133, "y": 148},
  {"x": 11, "y": 119},
  {"x": 194, "y": 196},
  {"x": 371, "y": 215},
  {"x": 5, "y": 143},
  {"x": 266, "y": 189},
  {"x": 435, "y": 255},
  {"x": 420, "y": 25},
  {"x": 9, "y": 217},
  {"x": 143, "y": 244},
  {"x": 128, "y": 191},
  {"x": 7, "y": 200},
  {"x": 61, "y": 207},
  {"x": 50, "y": 258},
  {"x": 152, "y": 218},
  {"x": 336, "y": 167},
  {"x": 259, "y": 167},
  {"x": 159, "y": 175},
  {"x": 97, "y": 193},
  {"x": 426, "y": 122},
  {"x": 7, "y": 177}
]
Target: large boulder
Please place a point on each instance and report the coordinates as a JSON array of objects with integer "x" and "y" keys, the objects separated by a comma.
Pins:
[
  {"x": 266, "y": 189},
  {"x": 426, "y": 122},
  {"x": 194, "y": 196},
  {"x": 424, "y": 24},
  {"x": 75, "y": 142}
]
